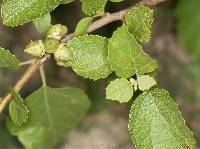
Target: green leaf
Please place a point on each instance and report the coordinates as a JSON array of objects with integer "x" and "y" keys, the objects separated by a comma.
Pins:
[
  {"x": 53, "y": 113},
  {"x": 155, "y": 122},
  {"x": 126, "y": 56},
  {"x": 120, "y": 90},
  {"x": 145, "y": 82},
  {"x": 7, "y": 59},
  {"x": 18, "y": 12},
  {"x": 90, "y": 56},
  {"x": 17, "y": 109},
  {"x": 43, "y": 24},
  {"x": 91, "y": 7},
  {"x": 188, "y": 22},
  {"x": 139, "y": 20},
  {"x": 83, "y": 25}
]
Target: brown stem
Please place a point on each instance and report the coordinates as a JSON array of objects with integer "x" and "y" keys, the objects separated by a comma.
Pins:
[
  {"x": 23, "y": 80},
  {"x": 150, "y": 2},
  {"x": 27, "y": 75},
  {"x": 106, "y": 19},
  {"x": 111, "y": 17}
]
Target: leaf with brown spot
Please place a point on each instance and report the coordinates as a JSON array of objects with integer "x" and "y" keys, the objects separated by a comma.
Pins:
[{"x": 127, "y": 57}]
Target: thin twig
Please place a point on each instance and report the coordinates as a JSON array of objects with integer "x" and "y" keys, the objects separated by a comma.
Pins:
[
  {"x": 106, "y": 19},
  {"x": 111, "y": 17},
  {"x": 18, "y": 86},
  {"x": 150, "y": 2},
  {"x": 26, "y": 62}
]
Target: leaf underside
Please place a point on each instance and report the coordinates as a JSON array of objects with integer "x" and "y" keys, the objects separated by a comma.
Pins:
[
  {"x": 43, "y": 24},
  {"x": 53, "y": 113}
]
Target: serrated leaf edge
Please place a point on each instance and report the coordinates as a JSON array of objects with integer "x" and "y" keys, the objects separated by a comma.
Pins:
[{"x": 179, "y": 112}]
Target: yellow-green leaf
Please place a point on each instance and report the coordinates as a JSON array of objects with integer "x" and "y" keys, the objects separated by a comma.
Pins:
[
  {"x": 145, "y": 82},
  {"x": 120, "y": 90}
]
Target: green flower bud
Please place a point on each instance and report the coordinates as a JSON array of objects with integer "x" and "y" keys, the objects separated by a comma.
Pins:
[
  {"x": 51, "y": 45},
  {"x": 57, "y": 31},
  {"x": 63, "y": 53},
  {"x": 35, "y": 48}
]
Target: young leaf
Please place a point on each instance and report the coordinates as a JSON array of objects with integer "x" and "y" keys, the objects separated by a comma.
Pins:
[
  {"x": 91, "y": 7},
  {"x": 7, "y": 59},
  {"x": 120, "y": 90},
  {"x": 145, "y": 82},
  {"x": 126, "y": 56},
  {"x": 43, "y": 24},
  {"x": 18, "y": 12},
  {"x": 53, "y": 113},
  {"x": 188, "y": 22},
  {"x": 17, "y": 109},
  {"x": 83, "y": 25},
  {"x": 139, "y": 20},
  {"x": 89, "y": 56},
  {"x": 155, "y": 122}
]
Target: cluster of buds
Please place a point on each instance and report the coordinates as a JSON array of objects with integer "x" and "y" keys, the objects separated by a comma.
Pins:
[{"x": 51, "y": 44}]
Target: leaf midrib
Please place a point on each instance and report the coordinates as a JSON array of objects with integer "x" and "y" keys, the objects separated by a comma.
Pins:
[
  {"x": 163, "y": 118},
  {"x": 48, "y": 111}
]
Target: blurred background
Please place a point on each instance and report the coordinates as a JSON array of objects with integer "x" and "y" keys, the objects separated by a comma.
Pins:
[{"x": 175, "y": 44}]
